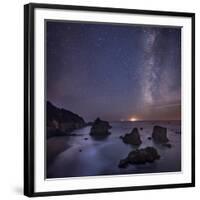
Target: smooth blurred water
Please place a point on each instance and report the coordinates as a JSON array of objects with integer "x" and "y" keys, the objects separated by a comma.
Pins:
[{"x": 93, "y": 157}]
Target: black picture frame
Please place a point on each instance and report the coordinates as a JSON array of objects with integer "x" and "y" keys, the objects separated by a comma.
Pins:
[{"x": 29, "y": 109}]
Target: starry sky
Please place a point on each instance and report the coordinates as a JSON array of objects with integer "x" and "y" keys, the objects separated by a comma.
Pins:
[{"x": 114, "y": 71}]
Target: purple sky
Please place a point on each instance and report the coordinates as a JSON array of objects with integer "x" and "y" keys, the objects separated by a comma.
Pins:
[{"x": 114, "y": 71}]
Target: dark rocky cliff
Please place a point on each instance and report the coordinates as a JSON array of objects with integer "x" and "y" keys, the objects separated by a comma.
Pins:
[{"x": 61, "y": 121}]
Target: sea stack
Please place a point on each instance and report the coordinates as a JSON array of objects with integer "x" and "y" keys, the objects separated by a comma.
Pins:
[
  {"x": 140, "y": 156},
  {"x": 132, "y": 138},
  {"x": 100, "y": 128},
  {"x": 159, "y": 134}
]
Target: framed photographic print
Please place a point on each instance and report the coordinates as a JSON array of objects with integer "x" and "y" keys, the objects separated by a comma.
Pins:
[{"x": 108, "y": 99}]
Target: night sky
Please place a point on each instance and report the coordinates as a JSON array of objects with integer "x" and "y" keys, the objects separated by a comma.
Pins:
[{"x": 113, "y": 71}]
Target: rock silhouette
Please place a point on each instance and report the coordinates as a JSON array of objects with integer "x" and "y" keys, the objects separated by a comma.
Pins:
[
  {"x": 159, "y": 134},
  {"x": 61, "y": 121},
  {"x": 132, "y": 138},
  {"x": 100, "y": 128},
  {"x": 140, "y": 156},
  {"x": 168, "y": 145}
]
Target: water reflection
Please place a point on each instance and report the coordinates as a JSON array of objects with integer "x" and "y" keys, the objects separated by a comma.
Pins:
[
  {"x": 100, "y": 137},
  {"x": 90, "y": 156}
]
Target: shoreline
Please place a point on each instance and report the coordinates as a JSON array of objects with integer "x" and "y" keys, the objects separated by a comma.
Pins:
[{"x": 55, "y": 146}]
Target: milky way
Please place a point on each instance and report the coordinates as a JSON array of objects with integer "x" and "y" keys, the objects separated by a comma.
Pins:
[
  {"x": 114, "y": 71},
  {"x": 161, "y": 73}
]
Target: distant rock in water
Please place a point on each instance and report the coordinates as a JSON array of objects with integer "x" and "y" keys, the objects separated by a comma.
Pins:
[
  {"x": 132, "y": 138},
  {"x": 168, "y": 145},
  {"x": 61, "y": 121},
  {"x": 159, "y": 134},
  {"x": 100, "y": 128},
  {"x": 140, "y": 156},
  {"x": 89, "y": 124},
  {"x": 178, "y": 132}
]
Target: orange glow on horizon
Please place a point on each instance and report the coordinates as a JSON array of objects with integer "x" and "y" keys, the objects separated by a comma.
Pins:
[{"x": 132, "y": 119}]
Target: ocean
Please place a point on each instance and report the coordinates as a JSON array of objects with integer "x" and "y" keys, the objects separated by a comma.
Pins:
[{"x": 88, "y": 156}]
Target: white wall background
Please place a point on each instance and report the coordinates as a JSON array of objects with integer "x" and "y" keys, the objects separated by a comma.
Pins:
[{"x": 11, "y": 99}]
